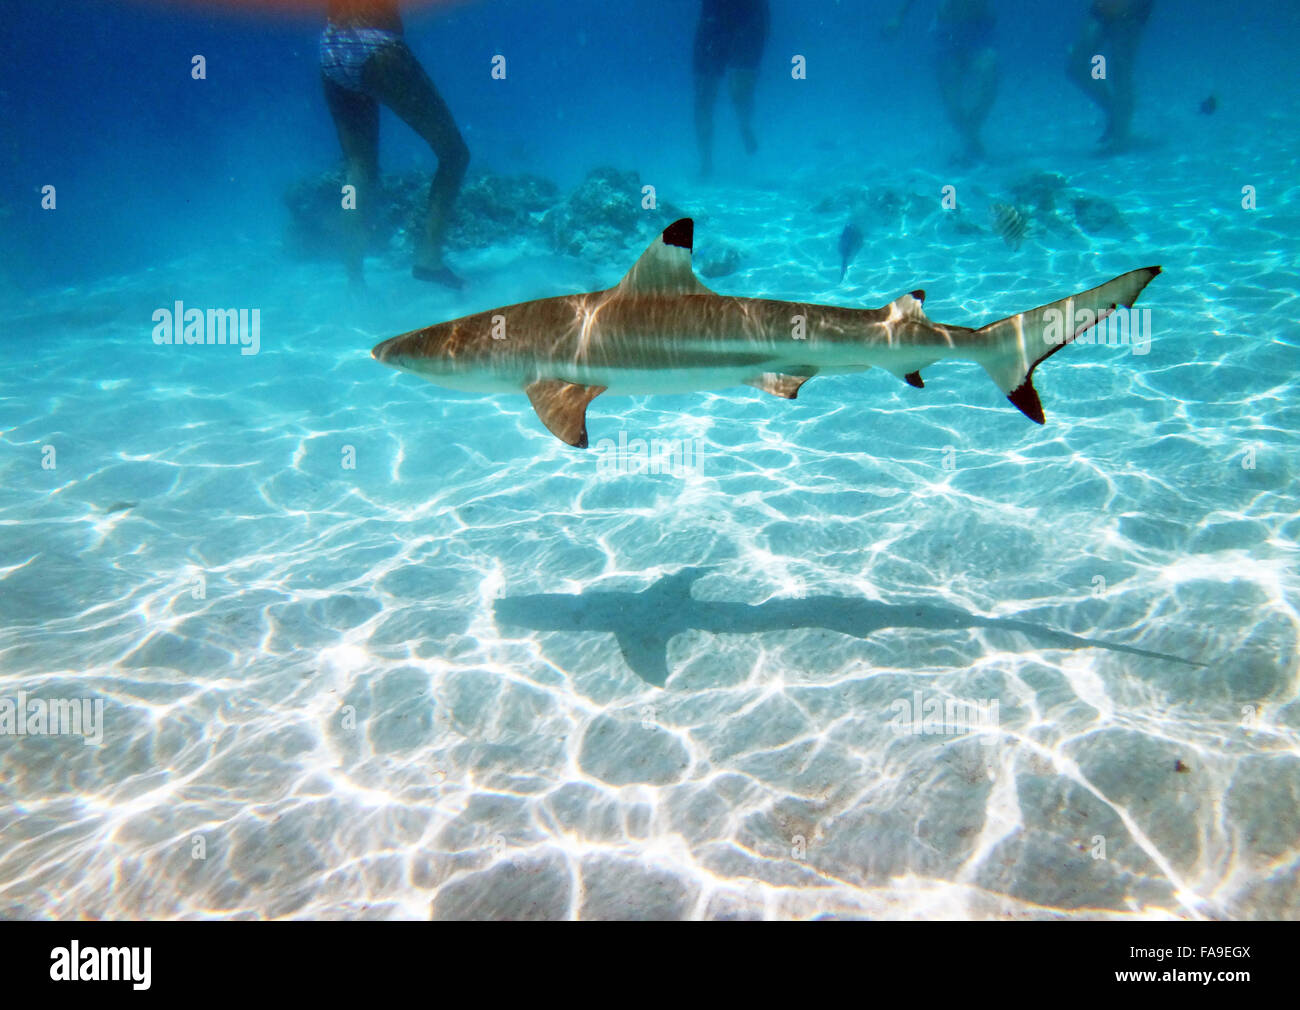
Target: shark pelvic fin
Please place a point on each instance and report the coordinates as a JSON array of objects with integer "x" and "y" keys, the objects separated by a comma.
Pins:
[
  {"x": 777, "y": 384},
  {"x": 665, "y": 267},
  {"x": 562, "y": 407}
]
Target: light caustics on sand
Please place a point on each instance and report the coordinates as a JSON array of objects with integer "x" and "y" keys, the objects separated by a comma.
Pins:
[{"x": 317, "y": 670}]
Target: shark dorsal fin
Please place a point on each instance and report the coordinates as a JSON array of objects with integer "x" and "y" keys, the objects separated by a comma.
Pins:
[{"x": 665, "y": 267}]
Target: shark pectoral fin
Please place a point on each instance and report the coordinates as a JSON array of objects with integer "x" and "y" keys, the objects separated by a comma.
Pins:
[
  {"x": 562, "y": 407},
  {"x": 665, "y": 266},
  {"x": 777, "y": 384}
]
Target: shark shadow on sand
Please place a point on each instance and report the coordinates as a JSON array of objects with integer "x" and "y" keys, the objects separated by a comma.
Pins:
[{"x": 644, "y": 622}]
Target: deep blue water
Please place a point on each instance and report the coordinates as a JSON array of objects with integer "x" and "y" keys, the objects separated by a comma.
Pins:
[{"x": 104, "y": 105}]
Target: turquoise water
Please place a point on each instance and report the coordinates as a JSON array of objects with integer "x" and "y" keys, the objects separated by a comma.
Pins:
[{"x": 371, "y": 648}]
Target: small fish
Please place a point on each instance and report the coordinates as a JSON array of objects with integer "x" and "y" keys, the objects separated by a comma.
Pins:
[
  {"x": 1010, "y": 223},
  {"x": 850, "y": 243},
  {"x": 1209, "y": 105}
]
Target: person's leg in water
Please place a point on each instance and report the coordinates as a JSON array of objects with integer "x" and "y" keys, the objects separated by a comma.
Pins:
[
  {"x": 748, "y": 38},
  {"x": 967, "y": 69},
  {"x": 356, "y": 118},
  {"x": 742, "y": 97},
  {"x": 1117, "y": 40},
  {"x": 968, "y": 84},
  {"x": 706, "y": 95},
  {"x": 983, "y": 91},
  {"x": 395, "y": 77},
  {"x": 709, "y": 65},
  {"x": 1123, "y": 43},
  {"x": 1079, "y": 64}
]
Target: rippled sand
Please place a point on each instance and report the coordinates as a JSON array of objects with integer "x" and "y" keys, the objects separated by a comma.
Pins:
[{"x": 314, "y": 708}]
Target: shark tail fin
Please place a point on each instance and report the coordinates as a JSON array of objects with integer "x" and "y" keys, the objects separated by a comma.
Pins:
[{"x": 1022, "y": 342}]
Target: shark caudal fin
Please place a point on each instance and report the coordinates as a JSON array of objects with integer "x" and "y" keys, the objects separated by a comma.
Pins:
[{"x": 1020, "y": 343}]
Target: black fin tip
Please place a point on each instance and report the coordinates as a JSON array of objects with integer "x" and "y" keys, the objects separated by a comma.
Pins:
[
  {"x": 680, "y": 233},
  {"x": 1025, "y": 397}
]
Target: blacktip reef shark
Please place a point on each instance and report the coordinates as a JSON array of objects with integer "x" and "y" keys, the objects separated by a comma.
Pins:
[{"x": 661, "y": 331}]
